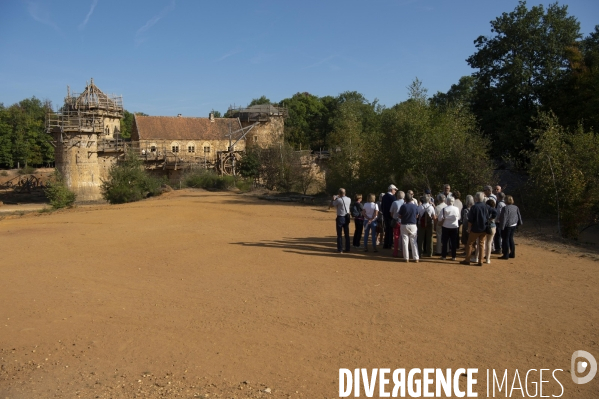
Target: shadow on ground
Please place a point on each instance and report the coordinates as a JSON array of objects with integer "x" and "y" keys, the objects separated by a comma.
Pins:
[{"x": 327, "y": 246}]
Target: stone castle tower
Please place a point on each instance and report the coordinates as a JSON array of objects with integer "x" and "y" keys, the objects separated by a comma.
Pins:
[{"x": 86, "y": 134}]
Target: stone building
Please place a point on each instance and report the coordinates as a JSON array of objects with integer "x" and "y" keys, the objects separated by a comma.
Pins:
[
  {"x": 270, "y": 123},
  {"x": 185, "y": 138},
  {"x": 86, "y": 135},
  {"x": 87, "y": 139},
  {"x": 175, "y": 143}
]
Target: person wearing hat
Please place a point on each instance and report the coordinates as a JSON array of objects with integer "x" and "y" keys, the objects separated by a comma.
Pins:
[
  {"x": 386, "y": 203},
  {"x": 427, "y": 193}
]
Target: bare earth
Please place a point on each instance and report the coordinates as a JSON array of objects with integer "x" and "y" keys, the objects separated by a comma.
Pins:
[{"x": 201, "y": 294}]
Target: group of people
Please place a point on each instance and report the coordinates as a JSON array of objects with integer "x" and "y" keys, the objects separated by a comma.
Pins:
[{"x": 487, "y": 221}]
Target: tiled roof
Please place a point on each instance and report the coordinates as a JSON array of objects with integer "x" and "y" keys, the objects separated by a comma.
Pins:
[{"x": 183, "y": 128}]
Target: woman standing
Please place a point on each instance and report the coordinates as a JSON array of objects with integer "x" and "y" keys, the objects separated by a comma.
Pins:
[
  {"x": 370, "y": 213},
  {"x": 449, "y": 218},
  {"x": 510, "y": 218},
  {"x": 356, "y": 211}
]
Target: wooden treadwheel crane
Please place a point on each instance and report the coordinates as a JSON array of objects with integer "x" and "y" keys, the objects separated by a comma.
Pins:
[{"x": 227, "y": 160}]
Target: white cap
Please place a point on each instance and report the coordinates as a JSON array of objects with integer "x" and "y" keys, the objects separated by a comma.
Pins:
[{"x": 391, "y": 187}]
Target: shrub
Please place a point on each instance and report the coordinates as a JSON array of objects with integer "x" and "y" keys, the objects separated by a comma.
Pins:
[
  {"x": 210, "y": 180},
  {"x": 128, "y": 182},
  {"x": 58, "y": 193},
  {"x": 27, "y": 170},
  {"x": 4, "y": 173}
]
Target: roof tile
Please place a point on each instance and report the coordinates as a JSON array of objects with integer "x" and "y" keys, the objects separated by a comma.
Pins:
[{"x": 184, "y": 128}]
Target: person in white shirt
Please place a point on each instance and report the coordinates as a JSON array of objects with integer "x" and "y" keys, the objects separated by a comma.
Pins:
[
  {"x": 426, "y": 221},
  {"x": 449, "y": 218},
  {"x": 489, "y": 194},
  {"x": 446, "y": 192},
  {"x": 395, "y": 216},
  {"x": 342, "y": 204},
  {"x": 441, "y": 201},
  {"x": 370, "y": 213},
  {"x": 458, "y": 204},
  {"x": 414, "y": 200}
]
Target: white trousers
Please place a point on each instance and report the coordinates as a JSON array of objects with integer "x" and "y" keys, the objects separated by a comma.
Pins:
[
  {"x": 409, "y": 234},
  {"x": 439, "y": 245}
]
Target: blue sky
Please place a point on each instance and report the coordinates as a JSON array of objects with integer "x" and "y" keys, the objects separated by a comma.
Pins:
[{"x": 168, "y": 57}]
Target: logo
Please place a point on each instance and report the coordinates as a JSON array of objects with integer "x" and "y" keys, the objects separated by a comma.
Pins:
[{"x": 580, "y": 367}]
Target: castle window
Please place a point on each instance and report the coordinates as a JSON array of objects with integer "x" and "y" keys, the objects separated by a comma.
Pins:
[
  {"x": 153, "y": 148},
  {"x": 206, "y": 149},
  {"x": 191, "y": 149},
  {"x": 255, "y": 139},
  {"x": 175, "y": 148}
]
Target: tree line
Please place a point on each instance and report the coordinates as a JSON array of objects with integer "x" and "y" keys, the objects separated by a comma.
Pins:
[{"x": 530, "y": 104}]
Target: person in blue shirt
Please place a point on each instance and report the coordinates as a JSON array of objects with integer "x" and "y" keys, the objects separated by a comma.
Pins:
[{"x": 386, "y": 203}]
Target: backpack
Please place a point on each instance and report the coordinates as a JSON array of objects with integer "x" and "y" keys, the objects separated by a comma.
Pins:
[{"x": 426, "y": 220}]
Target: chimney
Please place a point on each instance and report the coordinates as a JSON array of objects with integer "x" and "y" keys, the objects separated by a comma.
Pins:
[
  {"x": 179, "y": 115},
  {"x": 211, "y": 116}
]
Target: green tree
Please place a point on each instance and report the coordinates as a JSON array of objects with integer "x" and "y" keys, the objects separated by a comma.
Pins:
[
  {"x": 460, "y": 94},
  {"x": 260, "y": 101},
  {"x": 302, "y": 127},
  {"x": 249, "y": 165},
  {"x": 578, "y": 93},
  {"x": 564, "y": 170},
  {"x": 127, "y": 123},
  {"x": 423, "y": 146},
  {"x": 354, "y": 144},
  {"x": 518, "y": 70},
  {"x": 23, "y": 140}
]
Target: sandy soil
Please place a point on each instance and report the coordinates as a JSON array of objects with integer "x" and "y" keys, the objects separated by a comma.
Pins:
[{"x": 200, "y": 294}]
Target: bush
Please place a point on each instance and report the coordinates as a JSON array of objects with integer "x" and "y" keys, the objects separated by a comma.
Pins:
[
  {"x": 4, "y": 173},
  {"x": 58, "y": 193},
  {"x": 128, "y": 182},
  {"x": 210, "y": 180},
  {"x": 27, "y": 170}
]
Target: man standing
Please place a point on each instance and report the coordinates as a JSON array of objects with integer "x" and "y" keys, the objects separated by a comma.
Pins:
[
  {"x": 489, "y": 194},
  {"x": 438, "y": 228},
  {"x": 408, "y": 213},
  {"x": 497, "y": 190},
  {"x": 500, "y": 205},
  {"x": 426, "y": 217},
  {"x": 342, "y": 204},
  {"x": 478, "y": 215},
  {"x": 446, "y": 191},
  {"x": 414, "y": 200},
  {"x": 386, "y": 203},
  {"x": 395, "y": 216}
]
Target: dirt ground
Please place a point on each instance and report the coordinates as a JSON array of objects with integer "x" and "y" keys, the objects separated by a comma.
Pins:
[{"x": 221, "y": 295}]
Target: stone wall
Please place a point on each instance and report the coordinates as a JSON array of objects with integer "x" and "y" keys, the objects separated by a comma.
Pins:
[
  {"x": 166, "y": 146},
  {"x": 266, "y": 133},
  {"x": 77, "y": 160}
]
